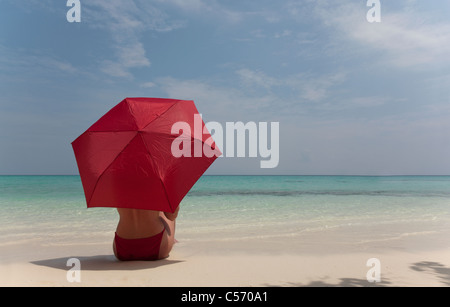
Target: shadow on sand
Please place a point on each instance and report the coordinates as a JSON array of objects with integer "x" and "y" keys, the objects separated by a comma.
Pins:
[
  {"x": 110, "y": 263},
  {"x": 103, "y": 263},
  {"x": 438, "y": 270},
  {"x": 344, "y": 282},
  {"x": 435, "y": 268}
]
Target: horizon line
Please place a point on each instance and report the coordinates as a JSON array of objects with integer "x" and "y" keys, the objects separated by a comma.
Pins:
[{"x": 325, "y": 175}]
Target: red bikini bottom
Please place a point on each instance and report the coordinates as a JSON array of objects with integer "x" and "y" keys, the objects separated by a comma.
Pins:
[{"x": 138, "y": 249}]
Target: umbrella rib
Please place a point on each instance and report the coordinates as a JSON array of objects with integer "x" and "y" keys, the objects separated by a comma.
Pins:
[
  {"x": 153, "y": 161},
  {"x": 158, "y": 115},
  {"x": 104, "y": 171}
]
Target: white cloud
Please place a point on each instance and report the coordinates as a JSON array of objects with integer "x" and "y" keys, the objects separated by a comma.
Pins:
[
  {"x": 115, "y": 69},
  {"x": 188, "y": 5},
  {"x": 127, "y": 17},
  {"x": 317, "y": 88},
  {"x": 207, "y": 9},
  {"x": 308, "y": 87},
  {"x": 16, "y": 60},
  {"x": 219, "y": 102},
  {"x": 256, "y": 78},
  {"x": 31, "y": 6},
  {"x": 284, "y": 33},
  {"x": 407, "y": 39},
  {"x": 355, "y": 103},
  {"x": 126, "y": 21},
  {"x": 54, "y": 63},
  {"x": 262, "y": 96},
  {"x": 148, "y": 85},
  {"x": 129, "y": 56}
]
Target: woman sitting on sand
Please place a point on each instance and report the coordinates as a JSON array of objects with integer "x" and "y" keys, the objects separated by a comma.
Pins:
[{"x": 144, "y": 234}]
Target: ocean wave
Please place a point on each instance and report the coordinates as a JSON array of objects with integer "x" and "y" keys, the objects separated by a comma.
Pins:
[
  {"x": 282, "y": 193},
  {"x": 398, "y": 236}
]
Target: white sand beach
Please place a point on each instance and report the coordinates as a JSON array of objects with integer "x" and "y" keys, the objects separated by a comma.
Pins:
[{"x": 229, "y": 265}]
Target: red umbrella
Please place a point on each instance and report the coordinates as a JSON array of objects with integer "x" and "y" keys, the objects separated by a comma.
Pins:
[{"x": 125, "y": 158}]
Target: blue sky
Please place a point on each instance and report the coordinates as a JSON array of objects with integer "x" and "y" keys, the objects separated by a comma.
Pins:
[{"x": 352, "y": 97}]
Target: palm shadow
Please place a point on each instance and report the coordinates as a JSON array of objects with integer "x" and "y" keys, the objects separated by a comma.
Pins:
[
  {"x": 350, "y": 282},
  {"x": 343, "y": 282},
  {"x": 103, "y": 263},
  {"x": 436, "y": 268},
  {"x": 440, "y": 271}
]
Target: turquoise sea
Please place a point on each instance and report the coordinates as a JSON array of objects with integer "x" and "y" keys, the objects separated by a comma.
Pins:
[{"x": 303, "y": 210}]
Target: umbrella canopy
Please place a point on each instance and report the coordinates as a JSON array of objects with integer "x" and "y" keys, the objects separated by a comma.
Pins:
[{"x": 125, "y": 158}]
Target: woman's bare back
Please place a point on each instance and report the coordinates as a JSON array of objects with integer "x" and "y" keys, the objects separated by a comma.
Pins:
[{"x": 138, "y": 224}]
